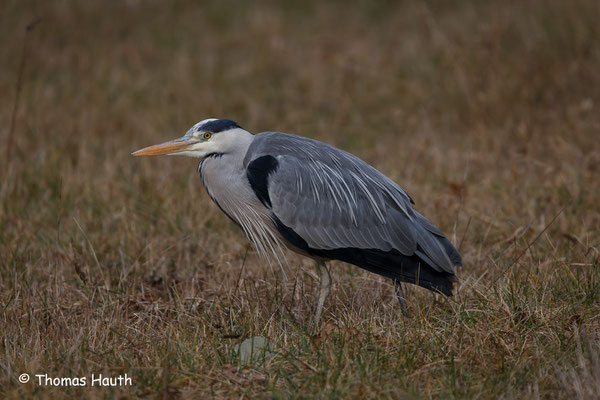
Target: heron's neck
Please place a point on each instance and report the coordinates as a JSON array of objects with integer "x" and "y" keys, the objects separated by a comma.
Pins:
[
  {"x": 223, "y": 173},
  {"x": 236, "y": 145}
]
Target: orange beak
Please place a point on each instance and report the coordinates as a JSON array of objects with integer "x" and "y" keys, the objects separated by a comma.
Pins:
[{"x": 170, "y": 147}]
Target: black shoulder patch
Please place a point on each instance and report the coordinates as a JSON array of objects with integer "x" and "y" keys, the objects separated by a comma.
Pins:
[
  {"x": 219, "y": 125},
  {"x": 258, "y": 172}
]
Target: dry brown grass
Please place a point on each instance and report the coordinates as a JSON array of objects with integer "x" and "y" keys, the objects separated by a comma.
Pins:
[{"x": 485, "y": 111}]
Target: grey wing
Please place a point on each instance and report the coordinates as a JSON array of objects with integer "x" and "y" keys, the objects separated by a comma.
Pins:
[{"x": 333, "y": 200}]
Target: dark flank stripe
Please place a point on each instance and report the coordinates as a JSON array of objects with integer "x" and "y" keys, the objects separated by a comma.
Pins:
[{"x": 391, "y": 264}]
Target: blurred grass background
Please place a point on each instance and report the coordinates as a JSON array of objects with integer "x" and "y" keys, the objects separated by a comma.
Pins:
[{"x": 486, "y": 112}]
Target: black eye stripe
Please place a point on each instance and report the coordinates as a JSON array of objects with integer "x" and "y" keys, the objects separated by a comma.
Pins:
[{"x": 219, "y": 125}]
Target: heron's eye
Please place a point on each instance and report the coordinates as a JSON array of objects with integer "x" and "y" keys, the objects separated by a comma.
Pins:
[{"x": 207, "y": 135}]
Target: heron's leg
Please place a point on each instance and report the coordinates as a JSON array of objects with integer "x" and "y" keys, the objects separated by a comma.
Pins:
[
  {"x": 400, "y": 295},
  {"x": 324, "y": 288}
]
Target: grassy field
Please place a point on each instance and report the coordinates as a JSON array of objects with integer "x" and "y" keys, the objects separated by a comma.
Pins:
[{"x": 486, "y": 112}]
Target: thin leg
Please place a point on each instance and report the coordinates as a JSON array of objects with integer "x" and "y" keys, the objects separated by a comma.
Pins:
[
  {"x": 324, "y": 288},
  {"x": 400, "y": 295}
]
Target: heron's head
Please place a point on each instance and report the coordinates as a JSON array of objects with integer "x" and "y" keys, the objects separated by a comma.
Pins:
[{"x": 211, "y": 136}]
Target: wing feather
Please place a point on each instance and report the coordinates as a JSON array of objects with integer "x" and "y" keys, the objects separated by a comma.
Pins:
[{"x": 334, "y": 200}]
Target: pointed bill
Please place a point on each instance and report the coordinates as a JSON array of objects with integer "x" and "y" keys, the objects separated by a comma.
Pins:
[{"x": 170, "y": 147}]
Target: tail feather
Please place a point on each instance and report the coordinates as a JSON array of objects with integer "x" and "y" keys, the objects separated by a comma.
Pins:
[
  {"x": 438, "y": 248},
  {"x": 412, "y": 269},
  {"x": 451, "y": 251}
]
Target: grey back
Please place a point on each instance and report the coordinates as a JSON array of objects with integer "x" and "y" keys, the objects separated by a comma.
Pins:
[{"x": 334, "y": 200}]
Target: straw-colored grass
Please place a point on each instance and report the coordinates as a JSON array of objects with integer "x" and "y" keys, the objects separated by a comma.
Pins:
[{"x": 486, "y": 112}]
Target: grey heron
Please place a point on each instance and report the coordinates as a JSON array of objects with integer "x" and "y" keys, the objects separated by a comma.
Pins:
[{"x": 288, "y": 191}]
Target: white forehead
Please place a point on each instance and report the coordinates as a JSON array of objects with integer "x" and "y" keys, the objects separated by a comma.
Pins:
[
  {"x": 197, "y": 126},
  {"x": 214, "y": 125},
  {"x": 203, "y": 122}
]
